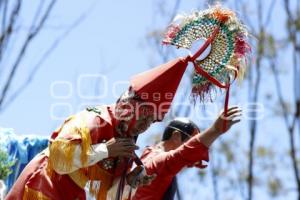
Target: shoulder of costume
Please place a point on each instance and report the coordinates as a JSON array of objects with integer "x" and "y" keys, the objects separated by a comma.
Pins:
[
  {"x": 147, "y": 151},
  {"x": 101, "y": 111}
]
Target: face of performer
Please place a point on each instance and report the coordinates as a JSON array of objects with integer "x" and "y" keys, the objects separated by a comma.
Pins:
[
  {"x": 141, "y": 125},
  {"x": 176, "y": 137},
  {"x": 131, "y": 110}
]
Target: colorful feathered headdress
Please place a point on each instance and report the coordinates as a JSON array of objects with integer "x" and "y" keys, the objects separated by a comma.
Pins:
[{"x": 225, "y": 39}]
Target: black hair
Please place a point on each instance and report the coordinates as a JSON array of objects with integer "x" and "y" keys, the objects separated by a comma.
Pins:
[{"x": 185, "y": 126}]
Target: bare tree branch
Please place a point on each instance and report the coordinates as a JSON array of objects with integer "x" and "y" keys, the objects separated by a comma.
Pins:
[
  {"x": 37, "y": 14},
  {"x": 253, "y": 123},
  {"x": 4, "y": 38},
  {"x": 269, "y": 12},
  {"x": 20, "y": 57},
  {"x": 214, "y": 177},
  {"x": 249, "y": 23},
  {"x": 290, "y": 127},
  {"x": 253, "y": 129},
  {"x": 292, "y": 33},
  {"x": 5, "y": 2},
  {"x": 175, "y": 10},
  {"x": 47, "y": 53}
]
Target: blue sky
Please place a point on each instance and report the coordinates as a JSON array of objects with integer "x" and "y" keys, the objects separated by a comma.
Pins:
[
  {"x": 109, "y": 43},
  {"x": 104, "y": 40}
]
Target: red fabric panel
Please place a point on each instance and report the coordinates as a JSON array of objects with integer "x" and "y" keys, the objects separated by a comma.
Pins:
[
  {"x": 166, "y": 165},
  {"x": 159, "y": 84},
  {"x": 35, "y": 177}
]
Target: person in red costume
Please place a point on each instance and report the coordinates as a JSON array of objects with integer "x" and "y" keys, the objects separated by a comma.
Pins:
[
  {"x": 95, "y": 146},
  {"x": 182, "y": 145}
]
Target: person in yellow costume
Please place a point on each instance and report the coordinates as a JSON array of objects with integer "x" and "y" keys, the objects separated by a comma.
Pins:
[{"x": 92, "y": 148}]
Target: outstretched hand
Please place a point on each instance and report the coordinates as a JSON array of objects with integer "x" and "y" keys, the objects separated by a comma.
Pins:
[
  {"x": 123, "y": 147},
  {"x": 232, "y": 117}
]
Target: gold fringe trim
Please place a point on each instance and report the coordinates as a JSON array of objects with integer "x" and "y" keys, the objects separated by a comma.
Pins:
[
  {"x": 49, "y": 170},
  {"x": 100, "y": 181},
  {"x": 81, "y": 128},
  {"x": 61, "y": 155},
  {"x": 240, "y": 65},
  {"x": 30, "y": 194},
  {"x": 92, "y": 173},
  {"x": 242, "y": 70},
  {"x": 97, "y": 173},
  {"x": 79, "y": 178},
  {"x": 50, "y": 163},
  {"x": 86, "y": 142}
]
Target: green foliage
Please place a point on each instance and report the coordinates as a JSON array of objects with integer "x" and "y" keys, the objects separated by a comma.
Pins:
[
  {"x": 297, "y": 23},
  {"x": 267, "y": 45},
  {"x": 274, "y": 186},
  {"x": 226, "y": 149},
  {"x": 271, "y": 44},
  {"x": 260, "y": 43},
  {"x": 5, "y": 165},
  {"x": 202, "y": 174},
  {"x": 264, "y": 152}
]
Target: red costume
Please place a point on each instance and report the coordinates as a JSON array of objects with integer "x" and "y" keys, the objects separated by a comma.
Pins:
[
  {"x": 166, "y": 165},
  {"x": 39, "y": 180},
  {"x": 76, "y": 153},
  {"x": 70, "y": 162}
]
